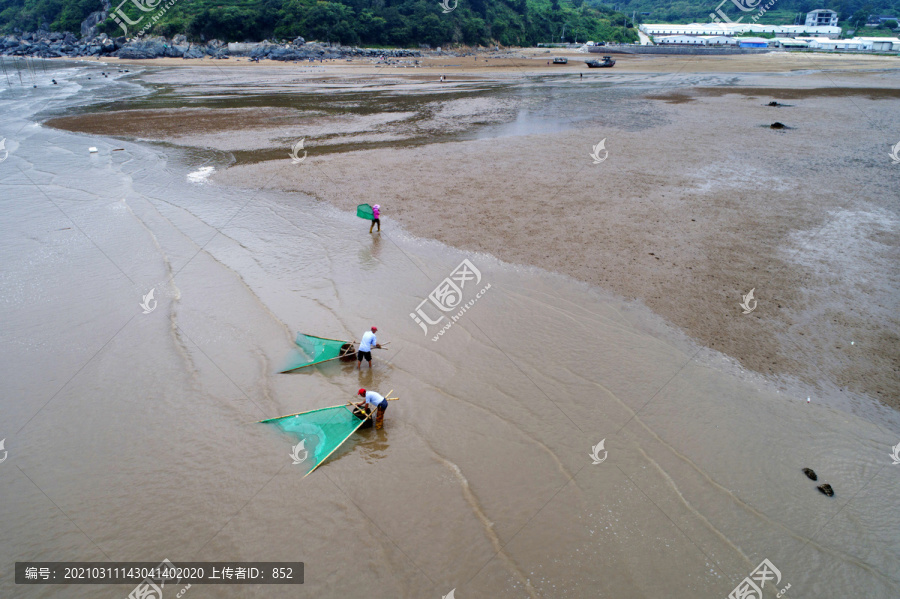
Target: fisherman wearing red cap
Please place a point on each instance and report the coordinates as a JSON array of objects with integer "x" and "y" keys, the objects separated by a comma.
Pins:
[
  {"x": 375, "y": 402},
  {"x": 365, "y": 347}
]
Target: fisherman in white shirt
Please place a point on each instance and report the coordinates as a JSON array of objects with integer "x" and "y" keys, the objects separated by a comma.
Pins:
[
  {"x": 365, "y": 347},
  {"x": 374, "y": 403}
]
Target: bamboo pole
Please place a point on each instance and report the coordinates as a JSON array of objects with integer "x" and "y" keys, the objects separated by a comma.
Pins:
[{"x": 311, "y": 411}]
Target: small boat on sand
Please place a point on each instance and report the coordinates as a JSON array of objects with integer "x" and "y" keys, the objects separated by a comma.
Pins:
[
  {"x": 599, "y": 64},
  {"x": 560, "y": 60}
]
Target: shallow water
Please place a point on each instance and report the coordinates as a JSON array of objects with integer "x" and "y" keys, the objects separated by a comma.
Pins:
[{"x": 131, "y": 436}]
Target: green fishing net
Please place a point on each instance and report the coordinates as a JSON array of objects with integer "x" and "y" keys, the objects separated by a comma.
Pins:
[
  {"x": 320, "y": 432},
  {"x": 365, "y": 211},
  {"x": 313, "y": 350}
]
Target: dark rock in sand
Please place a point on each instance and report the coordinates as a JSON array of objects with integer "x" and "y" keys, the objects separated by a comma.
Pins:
[
  {"x": 810, "y": 473},
  {"x": 826, "y": 489},
  {"x": 777, "y": 125}
]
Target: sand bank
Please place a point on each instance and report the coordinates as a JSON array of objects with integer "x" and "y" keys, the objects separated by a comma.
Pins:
[{"x": 697, "y": 202}]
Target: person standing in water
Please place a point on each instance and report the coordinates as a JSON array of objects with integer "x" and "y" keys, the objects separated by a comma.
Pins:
[
  {"x": 366, "y": 344},
  {"x": 375, "y": 403},
  {"x": 376, "y": 213}
]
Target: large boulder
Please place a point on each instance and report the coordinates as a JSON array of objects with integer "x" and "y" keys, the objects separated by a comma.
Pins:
[
  {"x": 194, "y": 52},
  {"x": 261, "y": 50},
  {"x": 286, "y": 54},
  {"x": 142, "y": 49},
  {"x": 180, "y": 40},
  {"x": 177, "y": 51}
]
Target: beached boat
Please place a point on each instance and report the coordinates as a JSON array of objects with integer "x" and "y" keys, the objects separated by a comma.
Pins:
[
  {"x": 599, "y": 64},
  {"x": 560, "y": 60}
]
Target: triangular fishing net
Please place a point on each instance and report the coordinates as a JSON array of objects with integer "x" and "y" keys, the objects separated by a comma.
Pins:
[
  {"x": 313, "y": 350},
  {"x": 320, "y": 432}
]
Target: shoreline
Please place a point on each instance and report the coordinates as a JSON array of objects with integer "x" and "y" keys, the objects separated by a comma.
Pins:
[
  {"x": 517, "y": 60},
  {"x": 666, "y": 268}
]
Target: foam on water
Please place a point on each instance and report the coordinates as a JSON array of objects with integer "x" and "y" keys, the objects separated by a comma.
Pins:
[{"x": 201, "y": 175}]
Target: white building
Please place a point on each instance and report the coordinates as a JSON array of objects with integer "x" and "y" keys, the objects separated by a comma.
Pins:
[
  {"x": 699, "y": 40},
  {"x": 719, "y": 40},
  {"x": 732, "y": 29},
  {"x": 785, "y": 42},
  {"x": 882, "y": 44},
  {"x": 690, "y": 40},
  {"x": 827, "y": 44},
  {"x": 822, "y": 18}
]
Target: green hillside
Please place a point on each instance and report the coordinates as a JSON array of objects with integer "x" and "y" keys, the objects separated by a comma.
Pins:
[
  {"x": 350, "y": 22},
  {"x": 783, "y": 12}
]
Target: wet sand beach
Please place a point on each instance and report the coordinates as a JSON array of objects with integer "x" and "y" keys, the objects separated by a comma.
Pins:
[
  {"x": 698, "y": 203},
  {"x": 601, "y": 421}
]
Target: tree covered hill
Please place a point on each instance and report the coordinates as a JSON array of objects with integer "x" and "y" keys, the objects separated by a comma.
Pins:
[
  {"x": 350, "y": 22},
  {"x": 782, "y": 12}
]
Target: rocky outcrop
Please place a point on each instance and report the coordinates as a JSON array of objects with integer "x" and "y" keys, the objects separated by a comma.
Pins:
[
  {"x": 151, "y": 48},
  {"x": 89, "y": 25},
  {"x": 48, "y": 44}
]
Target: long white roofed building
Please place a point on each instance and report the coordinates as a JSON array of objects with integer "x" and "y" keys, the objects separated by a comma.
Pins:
[{"x": 661, "y": 29}]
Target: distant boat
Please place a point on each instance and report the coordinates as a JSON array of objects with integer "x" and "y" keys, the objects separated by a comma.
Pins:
[
  {"x": 560, "y": 60},
  {"x": 599, "y": 64}
]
